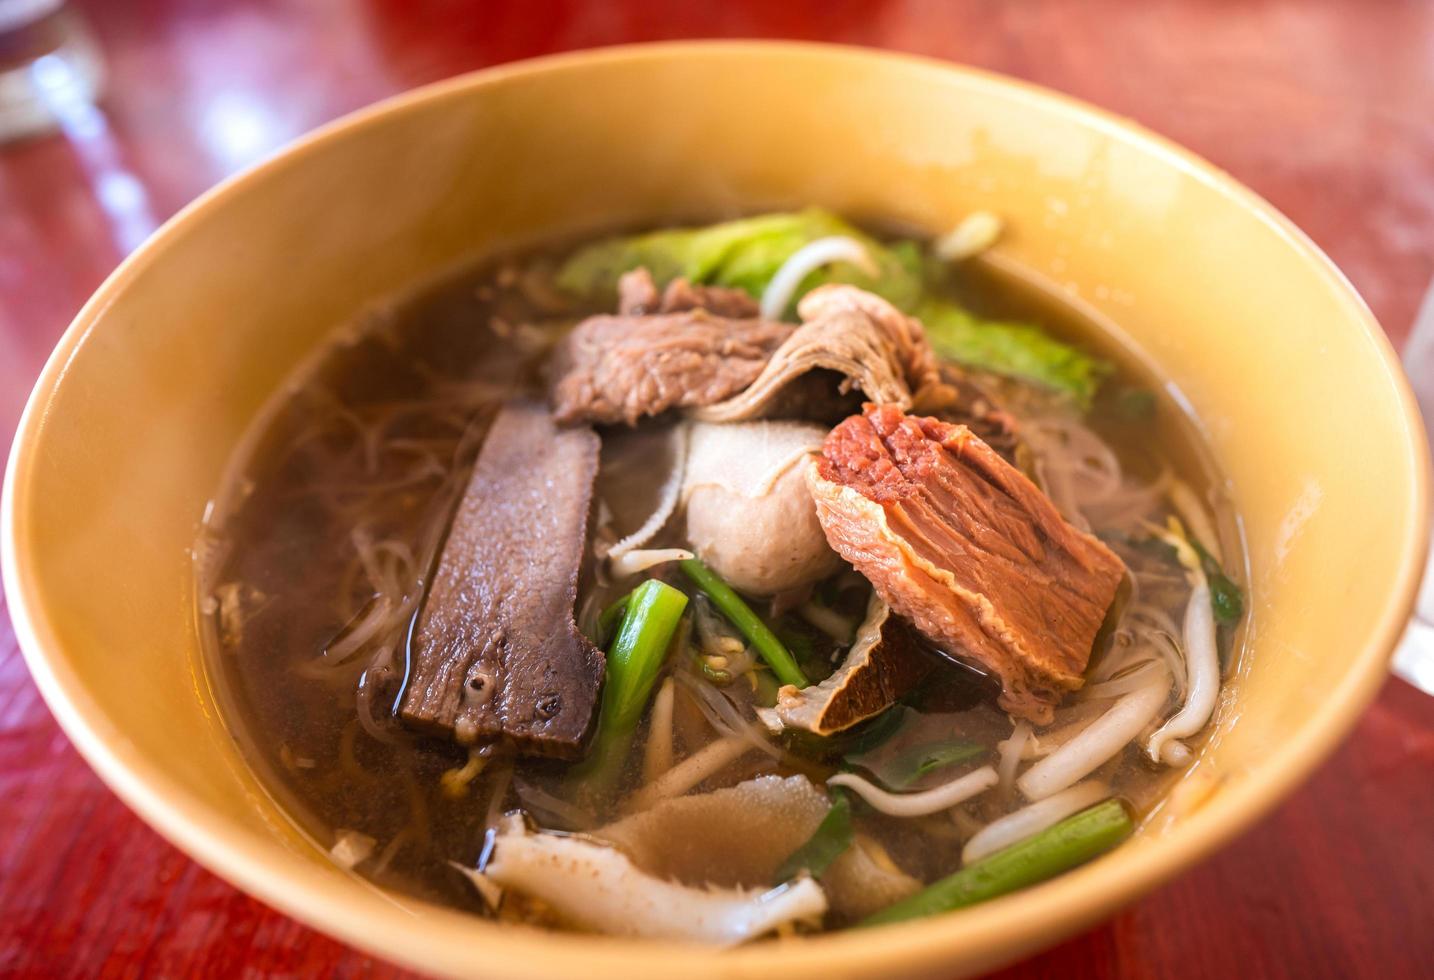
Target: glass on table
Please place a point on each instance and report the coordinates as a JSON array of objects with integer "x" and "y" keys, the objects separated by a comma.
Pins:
[
  {"x": 49, "y": 62},
  {"x": 1414, "y": 660}
]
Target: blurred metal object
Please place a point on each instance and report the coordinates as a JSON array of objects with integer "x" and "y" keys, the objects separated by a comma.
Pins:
[
  {"x": 49, "y": 63},
  {"x": 1414, "y": 660}
]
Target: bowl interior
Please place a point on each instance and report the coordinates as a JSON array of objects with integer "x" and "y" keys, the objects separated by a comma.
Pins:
[{"x": 147, "y": 396}]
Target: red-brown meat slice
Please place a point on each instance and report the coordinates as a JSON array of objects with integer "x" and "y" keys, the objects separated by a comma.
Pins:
[
  {"x": 495, "y": 653},
  {"x": 620, "y": 368},
  {"x": 958, "y": 541},
  {"x": 637, "y": 295}
]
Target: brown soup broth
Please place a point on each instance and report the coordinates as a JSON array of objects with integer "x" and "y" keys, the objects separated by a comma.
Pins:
[{"x": 352, "y": 475}]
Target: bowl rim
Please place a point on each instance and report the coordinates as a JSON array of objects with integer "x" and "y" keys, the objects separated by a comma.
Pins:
[{"x": 988, "y": 934}]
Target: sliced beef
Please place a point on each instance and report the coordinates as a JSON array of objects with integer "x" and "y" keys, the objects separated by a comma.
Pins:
[
  {"x": 495, "y": 652},
  {"x": 702, "y": 349},
  {"x": 971, "y": 405},
  {"x": 637, "y": 295},
  {"x": 957, "y": 540},
  {"x": 621, "y": 368},
  {"x": 884, "y": 662},
  {"x": 868, "y": 343}
]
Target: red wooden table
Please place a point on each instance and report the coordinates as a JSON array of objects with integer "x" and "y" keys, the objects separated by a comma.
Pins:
[{"x": 1326, "y": 108}]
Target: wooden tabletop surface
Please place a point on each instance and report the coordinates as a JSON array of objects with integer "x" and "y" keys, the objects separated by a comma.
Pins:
[{"x": 1326, "y": 108}]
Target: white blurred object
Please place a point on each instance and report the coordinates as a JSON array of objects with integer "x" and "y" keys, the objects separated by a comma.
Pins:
[
  {"x": 48, "y": 63},
  {"x": 1414, "y": 660}
]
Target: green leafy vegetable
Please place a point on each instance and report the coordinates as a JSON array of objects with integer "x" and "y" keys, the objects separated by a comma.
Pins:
[
  {"x": 746, "y": 254},
  {"x": 1016, "y": 349},
  {"x": 653, "y": 612},
  {"x": 1226, "y": 598},
  {"x": 828, "y": 841},
  {"x": 909, "y": 765},
  {"x": 1071, "y": 842},
  {"x": 743, "y": 254},
  {"x": 731, "y": 605}
]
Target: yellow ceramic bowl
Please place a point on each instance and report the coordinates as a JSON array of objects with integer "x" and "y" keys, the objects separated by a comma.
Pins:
[{"x": 144, "y": 400}]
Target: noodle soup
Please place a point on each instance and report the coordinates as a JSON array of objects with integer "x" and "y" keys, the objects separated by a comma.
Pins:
[{"x": 838, "y": 572}]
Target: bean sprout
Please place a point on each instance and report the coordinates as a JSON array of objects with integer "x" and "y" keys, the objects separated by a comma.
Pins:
[
  {"x": 1202, "y": 661},
  {"x": 657, "y": 753},
  {"x": 666, "y": 502},
  {"x": 804, "y": 261},
  {"x": 1011, "y": 750},
  {"x": 919, "y": 804},
  {"x": 1030, "y": 820},
  {"x": 1098, "y": 742},
  {"x": 631, "y": 562},
  {"x": 976, "y": 232},
  {"x": 711, "y": 759}
]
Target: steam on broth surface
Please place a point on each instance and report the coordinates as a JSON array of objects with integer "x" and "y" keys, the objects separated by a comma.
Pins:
[{"x": 917, "y": 572}]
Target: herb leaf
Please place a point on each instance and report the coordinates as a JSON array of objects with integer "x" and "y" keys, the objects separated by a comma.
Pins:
[
  {"x": 916, "y": 762},
  {"x": 874, "y": 732},
  {"x": 1226, "y": 599},
  {"x": 828, "y": 841}
]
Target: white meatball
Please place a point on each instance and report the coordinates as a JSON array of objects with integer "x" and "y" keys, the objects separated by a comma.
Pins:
[{"x": 750, "y": 515}]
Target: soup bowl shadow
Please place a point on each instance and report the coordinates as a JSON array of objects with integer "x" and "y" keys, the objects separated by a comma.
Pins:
[{"x": 144, "y": 401}]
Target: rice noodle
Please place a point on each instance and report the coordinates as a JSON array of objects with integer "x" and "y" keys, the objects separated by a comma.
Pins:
[
  {"x": 390, "y": 850},
  {"x": 1081, "y": 470},
  {"x": 1202, "y": 660},
  {"x": 830, "y": 622},
  {"x": 352, "y": 638},
  {"x": 1030, "y": 820},
  {"x": 724, "y": 717},
  {"x": 549, "y": 809},
  {"x": 1169, "y": 650},
  {"x": 1010, "y": 751},
  {"x": 363, "y": 701},
  {"x": 497, "y": 791},
  {"x": 711, "y": 759},
  {"x": 925, "y": 802},
  {"x": 1188, "y": 505},
  {"x": 1133, "y": 677},
  {"x": 666, "y": 502},
  {"x": 657, "y": 751},
  {"x": 782, "y": 287},
  {"x": 1098, "y": 742}
]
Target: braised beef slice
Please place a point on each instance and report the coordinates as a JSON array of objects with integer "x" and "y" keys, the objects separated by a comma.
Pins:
[
  {"x": 703, "y": 350},
  {"x": 971, "y": 405},
  {"x": 495, "y": 653},
  {"x": 884, "y": 662},
  {"x": 637, "y": 295},
  {"x": 958, "y": 541},
  {"x": 621, "y": 368}
]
